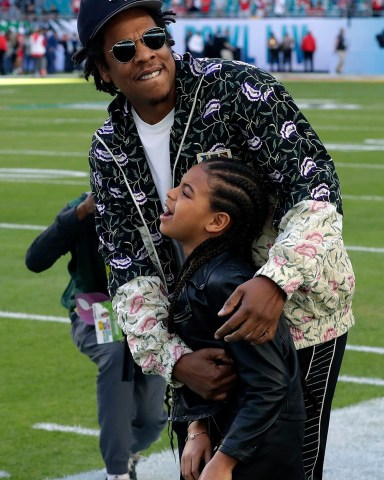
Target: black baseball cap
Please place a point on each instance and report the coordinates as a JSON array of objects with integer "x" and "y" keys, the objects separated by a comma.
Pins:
[{"x": 94, "y": 14}]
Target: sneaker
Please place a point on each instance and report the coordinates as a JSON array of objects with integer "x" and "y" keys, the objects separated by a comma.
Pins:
[
  {"x": 132, "y": 462},
  {"x": 118, "y": 477}
]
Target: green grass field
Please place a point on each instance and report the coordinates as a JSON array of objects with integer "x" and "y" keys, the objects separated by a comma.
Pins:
[{"x": 44, "y": 378}]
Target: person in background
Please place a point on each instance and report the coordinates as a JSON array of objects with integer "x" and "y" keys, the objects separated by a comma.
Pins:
[
  {"x": 51, "y": 54},
  {"x": 341, "y": 50},
  {"x": 215, "y": 213},
  {"x": 195, "y": 45},
  {"x": 3, "y": 51},
  {"x": 308, "y": 47},
  {"x": 38, "y": 48},
  {"x": 273, "y": 52},
  {"x": 130, "y": 404},
  {"x": 287, "y": 45},
  {"x": 169, "y": 112}
]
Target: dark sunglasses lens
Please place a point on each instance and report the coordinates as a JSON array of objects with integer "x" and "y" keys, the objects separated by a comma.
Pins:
[
  {"x": 154, "y": 39},
  {"x": 124, "y": 51}
]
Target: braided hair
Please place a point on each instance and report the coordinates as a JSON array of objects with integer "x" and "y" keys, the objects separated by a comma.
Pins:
[
  {"x": 93, "y": 52},
  {"x": 236, "y": 190}
]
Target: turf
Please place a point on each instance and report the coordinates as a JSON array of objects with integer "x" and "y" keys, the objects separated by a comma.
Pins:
[{"x": 44, "y": 378}]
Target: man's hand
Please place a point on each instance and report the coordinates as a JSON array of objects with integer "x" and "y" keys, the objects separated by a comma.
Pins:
[
  {"x": 221, "y": 466},
  {"x": 86, "y": 207},
  {"x": 209, "y": 372},
  {"x": 260, "y": 303}
]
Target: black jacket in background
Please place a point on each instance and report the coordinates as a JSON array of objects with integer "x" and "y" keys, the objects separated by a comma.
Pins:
[{"x": 68, "y": 234}]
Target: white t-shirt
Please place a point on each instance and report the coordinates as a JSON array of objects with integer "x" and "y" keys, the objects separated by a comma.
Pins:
[{"x": 155, "y": 140}]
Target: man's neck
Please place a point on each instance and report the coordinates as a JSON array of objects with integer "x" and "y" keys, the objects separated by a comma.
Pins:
[{"x": 154, "y": 113}]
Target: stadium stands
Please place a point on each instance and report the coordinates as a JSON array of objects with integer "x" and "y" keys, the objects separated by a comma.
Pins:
[{"x": 19, "y": 9}]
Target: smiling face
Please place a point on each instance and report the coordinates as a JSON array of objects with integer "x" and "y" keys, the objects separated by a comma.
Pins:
[
  {"x": 189, "y": 217},
  {"x": 148, "y": 81}
]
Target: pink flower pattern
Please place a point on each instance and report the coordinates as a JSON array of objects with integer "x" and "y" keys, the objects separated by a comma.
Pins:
[
  {"x": 296, "y": 333},
  {"x": 306, "y": 249},
  {"x": 334, "y": 286},
  {"x": 136, "y": 303},
  {"x": 315, "y": 237},
  {"x": 329, "y": 334},
  {"x": 148, "y": 324},
  {"x": 291, "y": 286},
  {"x": 279, "y": 261},
  {"x": 316, "y": 206}
]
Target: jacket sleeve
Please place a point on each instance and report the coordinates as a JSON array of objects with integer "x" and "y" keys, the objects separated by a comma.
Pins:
[
  {"x": 57, "y": 240},
  {"x": 309, "y": 247},
  {"x": 141, "y": 307}
]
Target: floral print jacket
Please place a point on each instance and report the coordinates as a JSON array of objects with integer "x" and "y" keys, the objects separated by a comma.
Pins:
[{"x": 240, "y": 110}]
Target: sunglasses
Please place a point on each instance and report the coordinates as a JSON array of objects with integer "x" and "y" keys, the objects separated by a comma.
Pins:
[{"x": 124, "y": 51}]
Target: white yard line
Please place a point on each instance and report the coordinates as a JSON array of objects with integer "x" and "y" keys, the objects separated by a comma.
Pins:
[
  {"x": 55, "y": 427},
  {"x": 378, "y": 382},
  {"x": 364, "y": 198},
  {"x": 17, "y": 226},
  {"x": 29, "y": 316}
]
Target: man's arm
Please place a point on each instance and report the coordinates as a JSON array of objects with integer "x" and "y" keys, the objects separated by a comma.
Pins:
[
  {"x": 301, "y": 258},
  {"x": 141, "y": 307}
]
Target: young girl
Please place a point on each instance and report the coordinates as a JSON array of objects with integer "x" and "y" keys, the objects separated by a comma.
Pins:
[{"x": 215, "y": 213}]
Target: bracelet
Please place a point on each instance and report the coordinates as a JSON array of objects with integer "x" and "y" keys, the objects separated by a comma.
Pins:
[{"x": 191, "y": 436}]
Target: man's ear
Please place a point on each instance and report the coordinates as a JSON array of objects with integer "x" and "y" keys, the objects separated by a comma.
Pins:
[
  {"x": 219, "y": 222},
  {"x": 104, "y": 73}
]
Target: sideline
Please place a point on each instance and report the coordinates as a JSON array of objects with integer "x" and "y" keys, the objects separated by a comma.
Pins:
[{"x": 30, "y": 80}]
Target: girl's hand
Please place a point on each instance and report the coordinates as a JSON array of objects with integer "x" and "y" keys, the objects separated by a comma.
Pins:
[
  {"x": 220, "y": 467},
  {"x": 197, "y": 451}
]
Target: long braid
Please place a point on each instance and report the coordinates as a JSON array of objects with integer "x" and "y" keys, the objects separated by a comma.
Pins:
[{"x": 236, "y": 190}]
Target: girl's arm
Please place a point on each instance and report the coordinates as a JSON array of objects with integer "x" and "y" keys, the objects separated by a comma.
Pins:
[{"x": 197, "y": 450}]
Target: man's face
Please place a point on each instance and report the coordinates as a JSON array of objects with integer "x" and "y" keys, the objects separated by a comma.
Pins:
[{"x": 148, "y": 80}]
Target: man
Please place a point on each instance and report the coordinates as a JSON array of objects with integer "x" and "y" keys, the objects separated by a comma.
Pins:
[
  {"x": 130, "y": 410},
  {"x": 273, "y": 52},
  {"x": 308, "y": 47},
  {"x": 170, "y": 112},
  {"x": 341, "y": 50},
  {"x": 287, "y": 45}
]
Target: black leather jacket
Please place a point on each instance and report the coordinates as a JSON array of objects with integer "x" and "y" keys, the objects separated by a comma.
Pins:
[{"x": 269, "y": 386}]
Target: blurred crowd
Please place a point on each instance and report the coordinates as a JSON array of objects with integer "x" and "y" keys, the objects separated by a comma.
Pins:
[
  {"x": 18, "y": 9},
  {"x": 276, "y": 8},
  {"x": 39, "y": 52},
  {"x": 36, "y": 36}
]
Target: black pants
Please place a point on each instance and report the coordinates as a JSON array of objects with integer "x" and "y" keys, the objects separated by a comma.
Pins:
[{"x": 320, "y": 366}]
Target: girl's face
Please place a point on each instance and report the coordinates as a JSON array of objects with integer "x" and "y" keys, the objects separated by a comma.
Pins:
[{"x": 188, "y": 217}]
